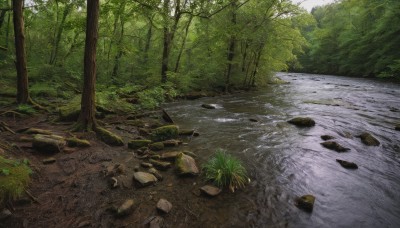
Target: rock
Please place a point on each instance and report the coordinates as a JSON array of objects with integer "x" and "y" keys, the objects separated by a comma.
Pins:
[
  {"x": 188, "y": 132},
  {"x": 126, "y": 208},
  {"x": 346, "y": 134},
  {"x": 164, "y": 206},
  {"x": 4, "y": 214},
  {"x": 171, "y": 143},
  {"x": 113, "y": 182},
  {"x": 160, "y": 164},
  {"x": 208, "y": 106},
  {"x": 48, "y": 143},
  {"x": 136, "y": 168},
  {"x": 369, "y": 140},
  {"x": 146, "y": 165},
  {"x": 136, "y": 123},
  {"x": 210, "y": 190},
  {"x": 302, "y": 122},
  {"x": 155, "y": 173},
  {"x": 144, "y": 131},
  {"x": 347, "y": 165},
  {"x": 157, "y": 222},
  {"x": 327, "y": 137},
  {"x": 169, "y": 155},
  {"x": 156, "y": 146},
  {"x": 155, "y": 157},
  {"x": 186, "y": 165},
  {"x": 397, "y": 127},
  {"x": 305, "y": 202},
  {"x": 253, "y": 120},
  {"x": 34, "y": 131},
  {"x": 75, "y": 142},
  {"x": 334, "y": 146},
  {"x": 191, "y": 154},
  {"x": 48, "y": 160},
  {"x": 165, "y": 133},
  {"x": 144, "y": 179},
  {"x": 136, "y": 144},
  {"x": 108, "y": 137}
]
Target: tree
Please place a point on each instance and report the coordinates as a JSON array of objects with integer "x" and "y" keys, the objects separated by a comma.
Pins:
[
  {"x": 20, "y": 63},
  {"x": 87, "y": 119}
]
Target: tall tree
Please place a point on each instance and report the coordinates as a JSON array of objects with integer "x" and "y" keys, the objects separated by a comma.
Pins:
[
  {"x": 20, "y": 64},
  {"x": 87, "y": 119}
]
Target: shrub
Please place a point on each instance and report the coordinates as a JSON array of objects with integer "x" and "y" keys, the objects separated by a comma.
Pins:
[{"x": 225, "y": 170}]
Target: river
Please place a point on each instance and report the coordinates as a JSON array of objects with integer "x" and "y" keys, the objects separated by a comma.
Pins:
[{"x": 285, "y": 161}]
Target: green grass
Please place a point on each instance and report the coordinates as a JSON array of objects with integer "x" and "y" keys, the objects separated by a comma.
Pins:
[{"x": 225, "y": 170}]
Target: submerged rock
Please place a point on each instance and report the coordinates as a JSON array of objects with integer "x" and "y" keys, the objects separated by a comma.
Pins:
[
  {"x": 302, "y": 121},
  {"x": 332, "y": 145},
  {"x": 144, "y": 179},
  {"x": 160, "y": 164},
  {"x": 165, "y": 133},
  {"x": 347, "y": 165},
  {"x": 126, "y": 208},
  {"x": 137, "y": 144},
  {"x": 164, "y": 206},
  {"x": 211, "y": 190},
  {"x": 369, "y": 140},
  {"x": 327, "y": 137},
  {"x": 208, "y": 106},
  {"x": 186, "y": 165},
  {"x": 305, "y": 202},
  {"x": 48, "y": 143}
]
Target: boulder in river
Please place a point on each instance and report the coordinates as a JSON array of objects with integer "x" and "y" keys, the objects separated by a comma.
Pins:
[
  {"x": 369, "y": 140},
  {"x": 210, "y": 190},
  {"x": 186, "y": 165},
  {"x": 126, "y": 208},
  {"x": 253, "y": 120},
  {"x": 136, "y": 144},
  {"x": 347, "y": 165},
  {"x": 327, "y": 137},
  {"x": 48, "y": 143},
  {"x": 164, "y": 206},
  {"x": 302, "y": 121},
  {"x": 305, "y": 202},
  {"x": 165, "y": 133},
  {"x": 144, "y": 179},
  {"x": 208, "y": 106},
  {"x": 332, "y": 145}
]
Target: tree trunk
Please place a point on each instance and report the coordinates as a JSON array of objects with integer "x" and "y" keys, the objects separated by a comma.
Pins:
[
  {"x": 20, "y": 64},
  {"x": 54, "y": 52},
  {"x": 165, "y": 56},
  {"x": 87, "y": 120},
  {"x": 119, "y": 53},
  {"x": 231, "y": 48},
  {"x": 183, "y": 44},
  {"x": 148, "y": 42},
  {"x": 2, "y": 17}
]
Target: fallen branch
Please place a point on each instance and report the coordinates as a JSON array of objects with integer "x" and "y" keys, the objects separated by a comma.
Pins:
[
  {"x": 4, "y": 127},
  {"x": 32, "y": 197}
]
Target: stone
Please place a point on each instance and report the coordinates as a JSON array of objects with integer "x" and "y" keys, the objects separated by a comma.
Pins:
[
  {"x": 327, "y": 137},
  {"x": 369, "y": 140},
  {"x": 155, "y": 173},
  {"x": 165, "y": 133},
  {"x": 187, "y": 132},
  {"x": 160, "y": 164},
  {"x": 346, "y": 134},
  {"x": 157, "y": 222},
  {"x": 108, "y": 137},
  {"x": 169, "y": 155},
  {"x": 171, "y": 143},
  {"x": 253, "y": 120},
  {"x": 126, "y": 208},
  {"x": 397, "y": 127},
  {"x": 332, "y": 145},
  {"x": 302, "y": 121},
  {"x": 191, "y": 154},
  {"x": 164, "y": 206},
  {"x": 186, "y": 165},
  {"x": 48, "y": 160},
  {"x": 75, "y": 142},
  {"x": 305, "y": 202},
  {"x": 144, "y": 179},
  {"x": 34, "y": 131},
  {"x": 210, "y": 190},
  {"x": 208, "y": 106},
  {"x": 48, "y": 143},
  {"x": 146, "y": 165},
  {"x": 156, "y": 146},
  {"x": 347, "y": 165},
  {"x": 137, "y": 144}
]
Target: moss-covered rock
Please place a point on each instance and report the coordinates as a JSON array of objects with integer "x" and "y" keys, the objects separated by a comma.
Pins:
[
  {"x": 137, "y": 144},
  {"x": 160, "y": 164},
  {"x": 75, "y": 142},
  {"x": 369, "y": 140},
  {"x": 48, "y": 143},
  {"x": 136, "y": 123},
  {"x": 186, "y": 165},
  {"x": 69, "y": 112},
  {"x": 157, "y": 146},
  {"x": 302, "y": 121},
  {"x": 305, "y": 202},
  {"x": 108, "y": 137},
  {"x": 165, "y": 133},
  {"x": 32, "y": 131}
]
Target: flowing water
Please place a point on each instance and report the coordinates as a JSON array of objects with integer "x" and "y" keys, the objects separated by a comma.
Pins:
[{"x": 285, "y": 161}]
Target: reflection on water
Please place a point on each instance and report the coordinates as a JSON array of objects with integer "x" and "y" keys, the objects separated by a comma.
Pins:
[{"x": 285, "y": 161}]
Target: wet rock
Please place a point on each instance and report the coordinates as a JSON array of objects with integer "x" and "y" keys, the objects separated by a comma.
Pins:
[
  {"x": 188, "y": 132},
  {"x": 186, "y": 165},
  {"x": 146, "y": 164},
  {"x": 253, "y": 120},
  {"x": 164, "y": 206},
  {"x": 136, "y": 144},
  {"x": 302, "y": 122},
  {"x": 157, "y": 146},
  {"x": 332, "y": 145},
  {"x": 48, "y": 143},
  {"x": 160, "y": 164},
  {"x": 208, "y": 106},
  {"x": 347, "y": 165},
  {"x": 165, "y": 133},
  {"x": 346, "y": 134},
  {"x": 369, "y": 140},
  {"x": 305, "y": 202},
  {"x": 48, "y": 160},
  {"x": 155, "y": 173},
  {"x": 108, "y": 137},
  {"x": 169, "y": 155},
  {"x": 75, "y": 142},
  {"x": 126, "y": 208},
  {"x": 397, "y": 127},
  {"x": 4, "y": 214},
  {"x": 144, "y": 179},
  {"x": 327, "y": 137},
  {"x": 210, "y": 190},
  {"x": 171, "y": 143}
]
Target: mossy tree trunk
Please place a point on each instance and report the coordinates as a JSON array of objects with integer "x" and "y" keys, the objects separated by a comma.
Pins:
[
  {"x": 20, "y": 63},
  {"x": 87, "y": 119}
]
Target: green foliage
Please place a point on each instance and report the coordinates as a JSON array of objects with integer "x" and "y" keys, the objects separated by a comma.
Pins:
[
  {"x": 26, "y": 109},
  {"x": 151, "y": 98},
  {"x": 14, "y": 177},
  {"x": 225, "y": 170},
  {"x": 43, "y": 90}
]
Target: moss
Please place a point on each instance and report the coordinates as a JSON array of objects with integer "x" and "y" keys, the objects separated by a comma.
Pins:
[
  {"x": 108, "y": 137},
  {"x": 157, "y": 146},
  {"x": 70, "y": 111},
  {"x": 137, "y": 144},
  {"x": 75, "y": 142},
  {"x": 165, "y": 133},
  {"x": 14, "y": 177},
  {"x": 43, "y": 90},
  {"x": 26, "y": 109},
  {"x": 136, "y": 123}
]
